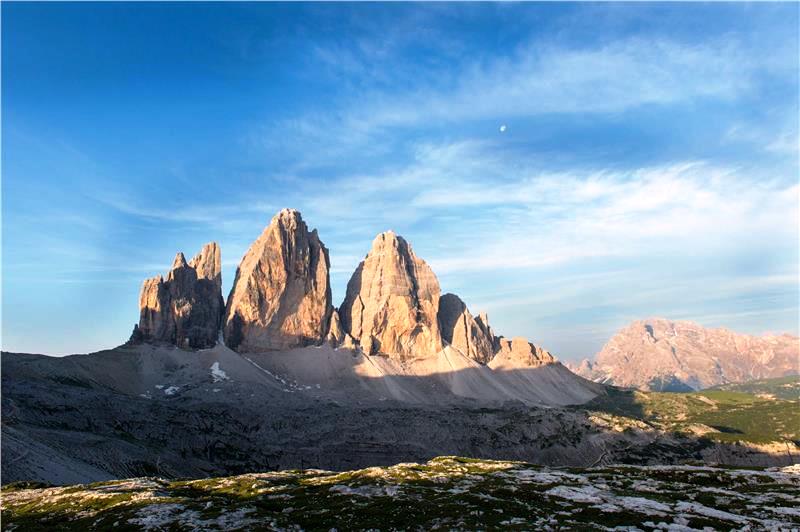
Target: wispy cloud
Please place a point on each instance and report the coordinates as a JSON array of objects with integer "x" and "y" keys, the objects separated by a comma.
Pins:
[
  {"x": 536, "y": 79},
  {"x": 182, "y": 213}
]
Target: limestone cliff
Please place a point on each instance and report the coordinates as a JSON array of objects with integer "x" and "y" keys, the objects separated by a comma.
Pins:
[
  {"x": 186, "y": 308},
  {"x": 663, "y": 355},
  {"x": 392, "y": 302},
  {"x": 469, "y": 335},
  {"x": 281, "y": 297}
]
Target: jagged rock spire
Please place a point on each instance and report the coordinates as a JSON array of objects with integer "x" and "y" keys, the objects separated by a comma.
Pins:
[
  {"x": 186, "y": 308},
  {"x": 392, "y": 301},
  {"x": 281, "y": 297},
  {"x": 469, "y": 335}
]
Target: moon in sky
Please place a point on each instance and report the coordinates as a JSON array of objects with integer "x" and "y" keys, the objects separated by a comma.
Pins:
[{"x": 503, "y": 128}]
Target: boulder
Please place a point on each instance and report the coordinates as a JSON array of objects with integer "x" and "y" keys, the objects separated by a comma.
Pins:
[
  {"x": 281, "y": 297},
  {"x": 392, "y": 302}
]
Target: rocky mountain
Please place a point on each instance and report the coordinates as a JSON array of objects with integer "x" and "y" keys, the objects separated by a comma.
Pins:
[
  {"x": 663, "y": 355},
  {"x": 186, "y": 308},
  {"x": 295, "y": 382},
  {"x": 281, "y": 297},
  {"x": 392, "y": 302},
  {"x": 144, "y": 410}
]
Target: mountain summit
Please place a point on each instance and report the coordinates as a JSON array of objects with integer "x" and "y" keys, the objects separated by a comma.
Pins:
[
  {"x": 186, "y": 308},
  {"x": 281, "y": 297},
  {"x": 392, "y": 301}
]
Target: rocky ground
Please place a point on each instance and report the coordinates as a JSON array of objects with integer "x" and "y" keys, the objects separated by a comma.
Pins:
[
  {"x": 148, "y": 411},
  {"x": 446, "y": 493}
]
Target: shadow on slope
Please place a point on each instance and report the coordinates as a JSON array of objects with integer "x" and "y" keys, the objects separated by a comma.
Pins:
[
  {"x": 719, "y": 415},
  {"x": 154, "y": 411}
]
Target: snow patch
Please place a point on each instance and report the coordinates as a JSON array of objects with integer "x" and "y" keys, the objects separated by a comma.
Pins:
[{"x": 218, "y": 374}]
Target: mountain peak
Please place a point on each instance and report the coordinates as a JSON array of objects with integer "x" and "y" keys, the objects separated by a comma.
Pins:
[
  {"x": 281, "y": 297},
  {"x": 392, "y": 301},
  {"x": 179, "y": 262},
  {"x": 208, "y": 263},
  {"x": 186, "y": 308},
  {"x": 467, "y": 334},
  {"x": 663, "y": 355}
]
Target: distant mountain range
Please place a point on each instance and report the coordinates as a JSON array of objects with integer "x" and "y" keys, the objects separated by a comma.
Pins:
[{"x": 662, "y": 355}]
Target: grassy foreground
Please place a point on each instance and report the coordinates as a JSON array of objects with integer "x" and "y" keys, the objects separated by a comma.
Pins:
[
  {"x": 446, "y": 493},
  {"x": 758, "y": 412}
]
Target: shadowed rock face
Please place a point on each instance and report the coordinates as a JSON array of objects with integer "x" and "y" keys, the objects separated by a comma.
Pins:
[
  {"x": 469, "y": 335},
  {"x": 281, "y": 297},
  {"x": 186, "y": 308},
  {"x": 392, "y": 302},
  {"x": 337, "y": 337},
  {"x": 663, "y": 355}
]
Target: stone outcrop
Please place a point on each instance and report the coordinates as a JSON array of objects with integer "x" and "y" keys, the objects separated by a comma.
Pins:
[
  {"x": 663, "y": 355},
  {"x": 337, "y": 336},
  {"x": 281, "y": 297},
  {"x": 392, "y": 302},
  {"x": 186, "y": 308},
  {"x": 469, "y": 335},
  {"x": 519, "y": 353}
]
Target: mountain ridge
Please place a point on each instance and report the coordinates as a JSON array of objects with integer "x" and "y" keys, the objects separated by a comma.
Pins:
[
  {"x": 658, "y": 354},
  {"x": 281, "y": 299}
]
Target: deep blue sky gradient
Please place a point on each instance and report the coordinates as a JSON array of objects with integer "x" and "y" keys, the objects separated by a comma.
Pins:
[{"x": 649, "y": 165}]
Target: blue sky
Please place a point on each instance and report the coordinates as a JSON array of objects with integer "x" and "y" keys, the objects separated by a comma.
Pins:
[{"x": 648, "y": 167}]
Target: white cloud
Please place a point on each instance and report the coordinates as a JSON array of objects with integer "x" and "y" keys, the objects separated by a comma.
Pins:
[{"x": 535, "y": 79}]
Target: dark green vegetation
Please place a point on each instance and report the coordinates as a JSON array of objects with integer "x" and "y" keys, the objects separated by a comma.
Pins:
[
  {"x": 758, "y": 412},
  {"x": 787, "y": 388},
  {"x": 446, "y": 493}
]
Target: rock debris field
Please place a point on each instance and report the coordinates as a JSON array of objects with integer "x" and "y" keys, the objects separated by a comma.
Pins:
[{"x": 448, "y": 493}]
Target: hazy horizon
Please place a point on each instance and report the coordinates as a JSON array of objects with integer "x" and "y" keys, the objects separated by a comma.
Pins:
[{"x": 567, "y": 168}]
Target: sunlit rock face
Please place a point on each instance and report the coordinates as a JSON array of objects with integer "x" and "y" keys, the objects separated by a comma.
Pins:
[
  {"x": 186, "y": 308},
  {"x": 664, "y": 355},
  {"x": 281, "y": 297},
  {"x": 469, "y": 335},
  {"x": 520, "y": 353},
  {"x": 392, "y": 302}
]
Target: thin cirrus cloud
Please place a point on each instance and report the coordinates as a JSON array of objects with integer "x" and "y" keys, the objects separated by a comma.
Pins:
[
  {"x": 540, "y": 79},
  {"x": 684, "y": 208}
]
